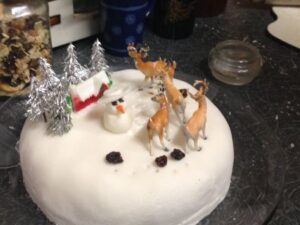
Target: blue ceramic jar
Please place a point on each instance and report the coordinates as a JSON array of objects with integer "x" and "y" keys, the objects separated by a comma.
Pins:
[{"x": 123, "y": 23}]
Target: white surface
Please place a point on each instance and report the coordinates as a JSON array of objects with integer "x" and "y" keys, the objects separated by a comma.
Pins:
[
  {"x": 68, "y": 178},
  {"x": 287, "y": 25},
  {"x": 73, "y": 26}
]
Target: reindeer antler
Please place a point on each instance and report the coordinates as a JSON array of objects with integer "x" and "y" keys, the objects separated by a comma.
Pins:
[
  {"x": 131, "y": 47},
  {"x": 198, "y": 82},
  {"x": 145, "y": 48},
  {"x": 173, "y": 64},
  {"x": 164, "y": 70}
]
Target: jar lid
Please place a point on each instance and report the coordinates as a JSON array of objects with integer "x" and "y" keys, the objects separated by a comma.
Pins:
[
  {"x": 238, "y": 52},
  {"x": 235, "y": 62}
]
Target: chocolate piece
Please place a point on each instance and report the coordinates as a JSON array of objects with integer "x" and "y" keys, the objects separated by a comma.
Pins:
[
  {"x": 161, "y": 161},
  {"x": 27, "y": 46},
  {"x": 17, "y": 52},
  {"x": 34, "y": 64},
  {"x": 9, "y": 63},
  {"x": 114, "y": 157},
  {"x": 10, "y": 41},
  {"x": 177, "y": 154},
  {"x": 12, "y": 32},
  {"x": 30, "y": 22}
]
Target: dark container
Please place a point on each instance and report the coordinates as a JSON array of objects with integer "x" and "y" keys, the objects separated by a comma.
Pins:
[
  {"x": 209, "y": 8},
  {"x": 123, "y": 23},
  {"x": 173, "y": 19}
]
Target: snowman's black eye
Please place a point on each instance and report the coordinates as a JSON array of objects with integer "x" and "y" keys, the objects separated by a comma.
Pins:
[
  {"x": 121, "y": 100},
  {"x": 114, "y": 103}
]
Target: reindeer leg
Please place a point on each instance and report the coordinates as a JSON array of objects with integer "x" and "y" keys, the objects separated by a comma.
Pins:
[
  {"x": 161, "y": 138},
  {"x": 147, "y": 77},
  {"x": 196, "y": 147},
  {"x": 204, "y": 134},
  {"x": 182, "y": 107},
  {"x": 183, "y": 114},
  {"x": 186, "y": 139},
  {"x": 177, "y": 114},
  {"x": 150, "y": 136},
  {"x": 203, "y": 131},
  {"x": 168, "y": 133},
  {"x": 143, "y": 85},
  {"x": 151, "y": 82}
]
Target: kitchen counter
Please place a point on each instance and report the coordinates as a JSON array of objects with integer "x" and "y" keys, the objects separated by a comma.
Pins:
[{"x": 264, "y": 117}]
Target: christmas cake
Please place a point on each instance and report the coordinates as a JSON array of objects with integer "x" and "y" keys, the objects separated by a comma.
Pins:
[{"x": 101, "y": 171}]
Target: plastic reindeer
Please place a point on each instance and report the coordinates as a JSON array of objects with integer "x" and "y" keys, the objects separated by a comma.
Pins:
[
  {"x": 159, "y": 122},
  {"x": 172, "y": 68},
  {"x": 174, "y": 95},
  {"x": 148, "y": 68},
  {"x": 197, "y": 122}
]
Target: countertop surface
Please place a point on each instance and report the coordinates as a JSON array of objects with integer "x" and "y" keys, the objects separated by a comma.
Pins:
[{"x": 267, "y": 111}]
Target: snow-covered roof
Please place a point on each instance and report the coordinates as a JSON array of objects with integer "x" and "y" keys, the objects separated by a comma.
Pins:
[{"x": 89, "y": 87}]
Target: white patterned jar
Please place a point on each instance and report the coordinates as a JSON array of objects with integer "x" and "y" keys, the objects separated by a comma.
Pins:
[{"x": 123, "y": 23}]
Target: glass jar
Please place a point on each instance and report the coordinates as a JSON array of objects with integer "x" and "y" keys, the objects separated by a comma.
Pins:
[
  {"x": 24, "y": 37},
  {"x": 235, "y": 62},
  {"x": 173, "y": 19}
]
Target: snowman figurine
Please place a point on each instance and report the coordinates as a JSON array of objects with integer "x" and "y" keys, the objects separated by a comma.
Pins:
[{"x": 116, "y": 118}]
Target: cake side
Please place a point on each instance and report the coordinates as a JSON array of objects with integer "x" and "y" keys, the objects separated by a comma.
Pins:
[{"x": 68, "y": 178}]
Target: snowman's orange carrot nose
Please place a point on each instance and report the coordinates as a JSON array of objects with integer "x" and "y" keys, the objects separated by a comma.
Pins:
[{"x": 120, "y": 109}]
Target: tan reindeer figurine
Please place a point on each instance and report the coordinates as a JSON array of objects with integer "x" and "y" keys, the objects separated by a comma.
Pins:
[
  {"x": 149, "y": 68},
  {"x": 174, "y": 95},
  {"x": 159, "y": 122},
  {"x": 197, "y": 122}
]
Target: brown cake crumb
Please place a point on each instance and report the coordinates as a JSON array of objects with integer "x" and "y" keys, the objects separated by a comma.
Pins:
[
  {"x": 114, "y": 157},
  {"x": 177, "y": 154},
  {"x": 161, "y": 161}
]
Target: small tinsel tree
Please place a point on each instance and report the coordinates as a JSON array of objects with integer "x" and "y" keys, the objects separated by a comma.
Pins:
[
  {"x": 42, "y": 92},
  {"x": 48, "y": 85},
  {"x": 73, "y": 70},
  {"x": 34, "y": 103},
  {"x": 48, "y": 97},
  {"x": 60, "y": 116},
  {"x": 98, "y": 61}
]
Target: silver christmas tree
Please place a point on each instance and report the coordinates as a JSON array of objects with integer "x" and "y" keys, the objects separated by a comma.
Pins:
[
  {"x": 48, "y": 85},
  {"x": 98, "y": 61},
  {"x": 73, "y": 70},
  {"x": 60, "y": 121},
  {"x": 42, "y": 93},
  {"x": 34, "y": 103},
  {"x": 48, "y": 97}
]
